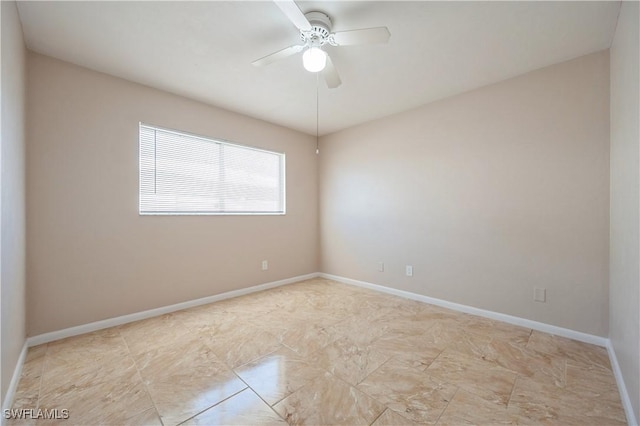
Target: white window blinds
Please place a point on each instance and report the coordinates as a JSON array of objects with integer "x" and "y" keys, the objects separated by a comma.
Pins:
[{"x": 186, "y": 174}]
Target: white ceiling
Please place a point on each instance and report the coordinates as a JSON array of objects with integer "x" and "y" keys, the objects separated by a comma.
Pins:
[{"x": 204, "y": 50}]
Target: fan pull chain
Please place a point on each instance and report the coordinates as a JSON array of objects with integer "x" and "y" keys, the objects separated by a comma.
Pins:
[{"x": 317, "y": 114}]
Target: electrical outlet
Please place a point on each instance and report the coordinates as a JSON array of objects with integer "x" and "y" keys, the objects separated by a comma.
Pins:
[
  {"x": 540, "y": 294},
  {"x": 265, "y": 265},
  {"x": 409, "y": 270},
  {"x": 380, "y": 266}
]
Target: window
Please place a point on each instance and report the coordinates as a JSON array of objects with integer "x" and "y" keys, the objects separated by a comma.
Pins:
[{"x": 187, "y": 174}]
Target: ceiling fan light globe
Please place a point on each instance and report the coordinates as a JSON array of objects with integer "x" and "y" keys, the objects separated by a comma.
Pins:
[{"x": 314, "y": 59}]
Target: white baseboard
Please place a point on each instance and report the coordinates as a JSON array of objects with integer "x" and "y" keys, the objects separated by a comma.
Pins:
[
  {"x": 624, "y": 395},
  {"x": 523, "y": 322},
  {"x": 15, "y": 379},
  {"x": 124, "y": 319}
]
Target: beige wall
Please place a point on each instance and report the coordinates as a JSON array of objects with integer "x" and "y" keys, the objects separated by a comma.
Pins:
[
  {"x": 12, "y": 204},
  {"x": 91, "y": 256},
  {"x": 487, "y": 194},
  {"x": 624, "y": 266}
]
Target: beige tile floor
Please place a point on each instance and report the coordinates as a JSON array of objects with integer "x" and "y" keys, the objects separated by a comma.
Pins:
[{"x": 320, "y": 352}]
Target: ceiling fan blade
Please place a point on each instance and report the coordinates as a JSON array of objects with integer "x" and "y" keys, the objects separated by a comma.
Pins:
[
  {"x": 295, "y": 15},
  {"x": 331, "y": 75},
  {"x": 366, "y": 36},
  {"x": 280, "y": 54}
]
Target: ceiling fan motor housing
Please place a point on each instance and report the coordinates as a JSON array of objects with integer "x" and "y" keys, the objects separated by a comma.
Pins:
[{"x": 320, "y": 32}]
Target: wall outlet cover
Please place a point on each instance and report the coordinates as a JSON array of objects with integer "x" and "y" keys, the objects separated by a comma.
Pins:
[{"x": 540, "y": 294}]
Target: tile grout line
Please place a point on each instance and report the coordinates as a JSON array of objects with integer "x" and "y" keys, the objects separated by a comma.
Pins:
[
  {"x": 473, "y": 392},
  {"x": 379, "y": 367},
  {"x": 340, "y": 380},
  {"x": 230, "y": 366},
  {"x": 44, "y": 363},
  {"x": 261, "y": 398},
  {"x": 146, "y": 388},
  {"x": 212, "y": 406},
  {"x": 204, "y": 342},
  {"x": 248, "y": 386},
  {"x": 458, "y": 387},
  {"x": 300, "y": 387},
  {"x": 232, "y": 369},
  {"x": 409, "y": 366},
  {"x": 448, "y": 403},
  {"x": 370, "y": 396},
  {"x": 379, "y": 415},
  {"x": 281, "y": 345},
  {"x": 513, "y": 388}
]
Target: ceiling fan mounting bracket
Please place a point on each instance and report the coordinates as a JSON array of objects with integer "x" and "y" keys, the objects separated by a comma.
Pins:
[{"x": 320, "y": 32}]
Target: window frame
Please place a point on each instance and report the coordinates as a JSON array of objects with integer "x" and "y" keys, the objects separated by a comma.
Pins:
[{"x": 283, "y": 171}]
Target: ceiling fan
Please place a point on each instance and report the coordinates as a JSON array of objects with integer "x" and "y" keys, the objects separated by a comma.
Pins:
[{"x": 315, "y": 32}]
